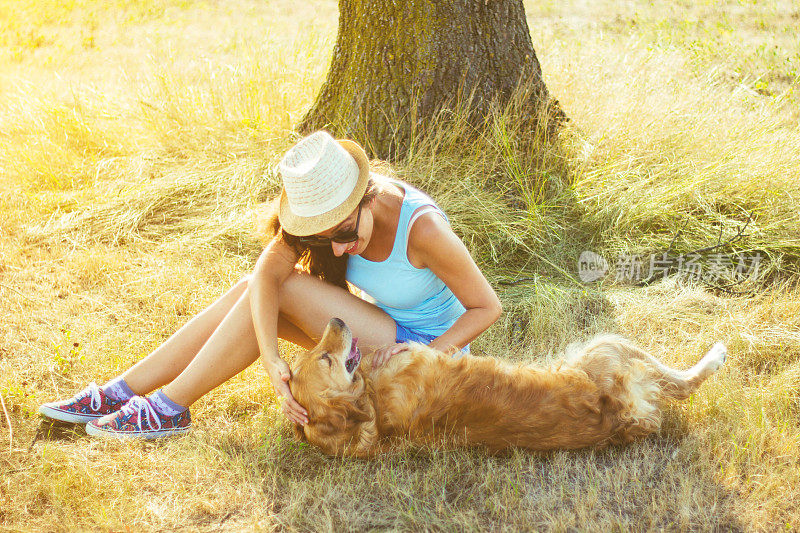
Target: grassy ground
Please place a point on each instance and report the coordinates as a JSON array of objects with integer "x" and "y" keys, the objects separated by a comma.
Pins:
[{"x": 136, "y": 137}]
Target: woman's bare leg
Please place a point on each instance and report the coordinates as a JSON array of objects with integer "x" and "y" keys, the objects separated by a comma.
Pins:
[
  {"x": 168, "y": 360},
  {"x": 306, "y": 305},
  {"x": 310, "y": 303}
]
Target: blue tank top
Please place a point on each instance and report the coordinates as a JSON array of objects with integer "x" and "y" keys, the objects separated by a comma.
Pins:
[{"x": 414, "y": 297}]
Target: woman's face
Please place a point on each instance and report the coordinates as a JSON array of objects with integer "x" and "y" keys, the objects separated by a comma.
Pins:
[{"x": 357, "y": 246}]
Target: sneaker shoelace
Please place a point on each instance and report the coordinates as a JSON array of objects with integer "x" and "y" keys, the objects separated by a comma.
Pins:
[
  {"x": 93, "y": 391},
  {"x": 143, "y": 408}
]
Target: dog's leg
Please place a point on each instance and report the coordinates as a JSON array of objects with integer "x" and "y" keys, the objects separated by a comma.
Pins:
[
  {"x": 708, "y": 365},
  {"x": 675, "y": 384},
  {"x": 679, "y": 384}
]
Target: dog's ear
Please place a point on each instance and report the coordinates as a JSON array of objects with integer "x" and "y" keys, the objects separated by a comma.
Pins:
[
  {"x": 345, "y": 426},
  {"x": 359, "y": 413},
  {"x": 349, "y": 408},
  {"x": 329, "y": 431},
  {"x": 299, "y": 433},
  {"x": 368, "y": 437}
]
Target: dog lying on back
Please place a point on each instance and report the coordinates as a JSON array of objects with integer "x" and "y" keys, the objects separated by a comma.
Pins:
[{"x": 608, "y": 394}]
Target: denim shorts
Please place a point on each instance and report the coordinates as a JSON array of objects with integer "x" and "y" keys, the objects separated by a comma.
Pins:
[{"x": 409, "y": 335}]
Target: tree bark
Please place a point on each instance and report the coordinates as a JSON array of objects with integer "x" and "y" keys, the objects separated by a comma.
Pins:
[{"x": 398, "y": 63}]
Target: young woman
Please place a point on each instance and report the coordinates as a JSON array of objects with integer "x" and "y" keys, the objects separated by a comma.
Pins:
[{"x": 334, "y": 221}]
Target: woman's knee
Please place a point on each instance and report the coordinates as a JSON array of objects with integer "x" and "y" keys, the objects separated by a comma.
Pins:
[{"x": 238, "y": 288}]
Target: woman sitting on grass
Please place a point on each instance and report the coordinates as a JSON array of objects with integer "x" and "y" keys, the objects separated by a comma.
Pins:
[{"x": 341, "y": 223}]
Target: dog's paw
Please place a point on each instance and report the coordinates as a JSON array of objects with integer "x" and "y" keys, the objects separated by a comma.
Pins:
[{"x": 715, "y": 357}]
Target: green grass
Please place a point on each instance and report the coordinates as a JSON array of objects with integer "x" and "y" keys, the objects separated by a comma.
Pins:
[{"x": 136, "y": 139}]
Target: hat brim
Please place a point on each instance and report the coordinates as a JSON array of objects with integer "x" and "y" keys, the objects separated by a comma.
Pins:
[{"x": 304, "y": 226}]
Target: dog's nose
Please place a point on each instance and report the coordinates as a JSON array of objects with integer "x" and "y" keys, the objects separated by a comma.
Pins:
[{"x": 338, "y": 322}]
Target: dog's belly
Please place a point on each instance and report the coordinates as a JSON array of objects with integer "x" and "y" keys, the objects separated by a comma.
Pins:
[{"x": 482, "y": 401}]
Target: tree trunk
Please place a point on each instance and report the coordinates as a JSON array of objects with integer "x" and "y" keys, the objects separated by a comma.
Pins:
[{"x": 398, "y": 63}]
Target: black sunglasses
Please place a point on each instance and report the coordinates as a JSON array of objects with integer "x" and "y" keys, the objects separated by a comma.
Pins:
[{"x": 341, "y": 237}]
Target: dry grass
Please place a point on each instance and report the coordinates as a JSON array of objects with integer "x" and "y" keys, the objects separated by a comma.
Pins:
[{"x": 136, "y": 137}]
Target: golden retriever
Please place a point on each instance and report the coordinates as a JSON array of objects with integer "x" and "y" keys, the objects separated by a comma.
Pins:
[{"x": 608, "y": 392}]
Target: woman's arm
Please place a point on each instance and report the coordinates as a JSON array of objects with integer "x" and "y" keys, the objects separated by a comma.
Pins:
[
  {"x": 433, "y": 244},
  {"x": 273, "y": 267}
]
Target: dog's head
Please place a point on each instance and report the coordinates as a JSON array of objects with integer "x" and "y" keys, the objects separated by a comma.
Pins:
[{"x": 327, "y": 382}]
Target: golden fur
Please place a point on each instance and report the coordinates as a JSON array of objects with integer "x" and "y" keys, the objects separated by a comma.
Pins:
[{"x": 606, "y": 393}]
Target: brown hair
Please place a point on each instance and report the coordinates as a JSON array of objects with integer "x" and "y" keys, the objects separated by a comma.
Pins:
[{"x": 317, "y": 260}]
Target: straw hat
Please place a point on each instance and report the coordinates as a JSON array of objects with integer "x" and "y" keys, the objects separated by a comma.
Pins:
[{"x": 324, "y": 179}]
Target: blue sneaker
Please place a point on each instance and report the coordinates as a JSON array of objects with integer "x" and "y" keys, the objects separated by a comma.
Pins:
[
  {"x": 89, "y": 404},
  {"x": 139, "y": 419}
]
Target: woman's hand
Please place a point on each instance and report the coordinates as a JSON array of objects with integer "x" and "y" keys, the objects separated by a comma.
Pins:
[
  {"x": 383, "y": 354},
  {"x": 279, "y": 375}
]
